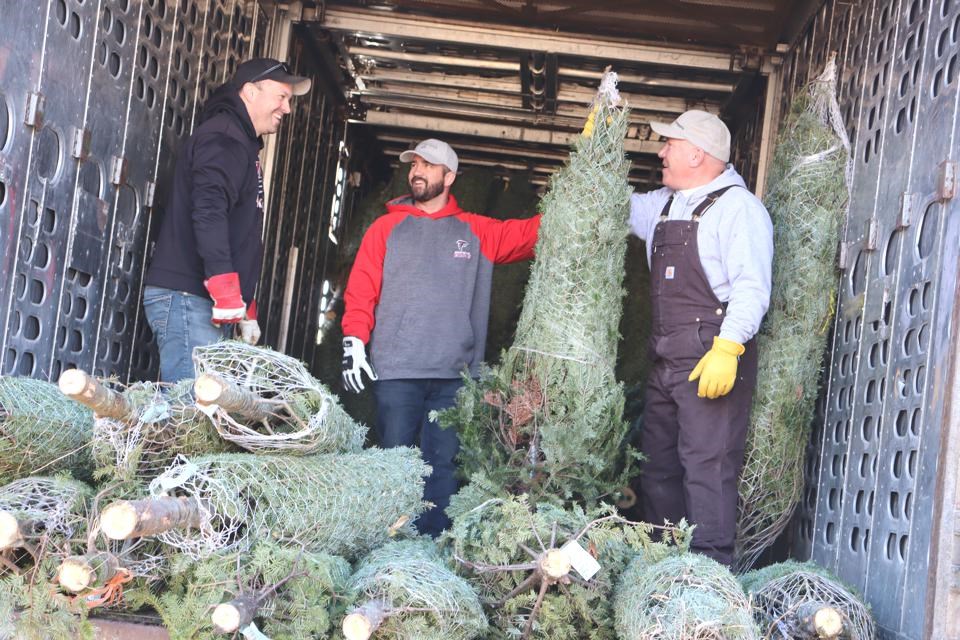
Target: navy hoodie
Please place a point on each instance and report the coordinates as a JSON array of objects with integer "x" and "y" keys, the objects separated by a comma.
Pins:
[{"x": 214, "y": 214}]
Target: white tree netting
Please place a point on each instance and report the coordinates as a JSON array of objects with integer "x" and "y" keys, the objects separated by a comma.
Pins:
[
  {"x": 162, "y": 423},
  {"x": 682, "y": 597},
  {"x": 342, "y": 504},
  {"x": 36, "y": 506},
  {"x": 807, "y": 197},
  {"x": 267, "y": 402},
  {"x": 405, "y": 591},
  {"x": 40, "y": 430},
  {"x": 787, "y": 597},
  {"x": 549, "y": 420}
]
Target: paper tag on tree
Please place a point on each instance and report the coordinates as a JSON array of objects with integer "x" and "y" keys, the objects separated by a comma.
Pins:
[{"x": 584, "y": 563}]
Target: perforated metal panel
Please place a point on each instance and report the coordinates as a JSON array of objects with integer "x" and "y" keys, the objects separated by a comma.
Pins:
[
  {"x": 299, "y": 215},
  {"x": 883, "y": 411},
  {"x": 47, "y": 192},
  {"x": 95, "y": 96},
  {"x": 186, "y": 52}
]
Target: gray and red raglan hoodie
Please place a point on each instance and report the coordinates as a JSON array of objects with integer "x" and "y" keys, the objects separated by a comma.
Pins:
[{"x": 419, "y": 290}]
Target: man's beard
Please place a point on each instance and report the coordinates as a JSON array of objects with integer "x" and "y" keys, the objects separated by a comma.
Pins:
[{"x": 424, "y": 191}]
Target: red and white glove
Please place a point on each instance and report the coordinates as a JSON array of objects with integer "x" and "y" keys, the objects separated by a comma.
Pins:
[
  {"x": 224, "y": 290},
  {"x": 249, "y": 328}
]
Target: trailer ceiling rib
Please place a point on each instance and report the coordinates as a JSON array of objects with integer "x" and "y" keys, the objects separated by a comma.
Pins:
[{"x": 508, "y": 83}]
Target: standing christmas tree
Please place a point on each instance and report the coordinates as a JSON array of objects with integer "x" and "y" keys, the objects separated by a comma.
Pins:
[{"x": 549, "y": 421}]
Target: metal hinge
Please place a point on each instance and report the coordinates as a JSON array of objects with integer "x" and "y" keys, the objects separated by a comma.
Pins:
[
  {"x": 33, "y": 113},
  {"x": 148, "y": 193},
  {"x": 870, "y": 242},
  {"x": 908, "y": 210},
  {"x": 947, "y": 182},
  {"x": 118, "y": 170},
  {"x": 79, "y": 143}
]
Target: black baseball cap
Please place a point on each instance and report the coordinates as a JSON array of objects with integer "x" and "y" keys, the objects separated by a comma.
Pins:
[{"x": 257, "y": 69}]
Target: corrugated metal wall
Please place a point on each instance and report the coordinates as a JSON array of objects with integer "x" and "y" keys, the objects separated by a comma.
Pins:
[
  {"x": 95, "y": 97},
  {"x": 870, "y": 503}
]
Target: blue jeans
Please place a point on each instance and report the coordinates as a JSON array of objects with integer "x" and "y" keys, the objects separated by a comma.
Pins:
[
  {"x": 180, "y": 321},
  {"x": 403, "y": 407}
]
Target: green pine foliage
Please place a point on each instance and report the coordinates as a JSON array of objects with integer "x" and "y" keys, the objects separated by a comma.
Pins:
[
  {"x": 549, "y": 420},
  {"x": 41, "y": 430},
  {"x": 308, "y": 605},
  {"x": 423, "y": 598},
  {"x": 165, "y": 423},
  {"x": 492, "y": 540},
  {"x": 681, "y": 597},
  {"x": 514, "y": 197},
  {"x": 807, "y": 196},
  {"x": 31, "y": 607},
  {"x": 341, "y": 504}
]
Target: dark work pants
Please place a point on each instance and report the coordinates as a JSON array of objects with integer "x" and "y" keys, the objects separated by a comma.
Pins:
[
  {"x": 403, "y": 409},
  {"x": 694, "y": 448}
]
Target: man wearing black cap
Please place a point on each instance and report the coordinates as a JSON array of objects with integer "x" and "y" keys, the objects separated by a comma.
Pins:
[{"x": 202, "y": 279}]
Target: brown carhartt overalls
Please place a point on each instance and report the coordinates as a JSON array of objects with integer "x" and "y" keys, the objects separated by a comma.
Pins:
[{"x": 694, "y": 446}]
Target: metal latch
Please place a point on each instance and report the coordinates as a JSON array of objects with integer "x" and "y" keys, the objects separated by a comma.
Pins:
[
  {"x": 908, "y": 210},
  {"x": 947, "y": 183},
  {"x": 118, "y": 170},
  {"x": 148, "y": 193},
  {"x": 33, "y": 113},
  {"x": 79, "y": 143}
]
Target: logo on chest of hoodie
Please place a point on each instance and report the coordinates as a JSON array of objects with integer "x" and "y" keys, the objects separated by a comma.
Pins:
[{"x": 461, "y": 251}]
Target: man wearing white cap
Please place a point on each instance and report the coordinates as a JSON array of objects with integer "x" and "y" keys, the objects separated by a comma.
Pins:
[
  {"x": 710, "y": 249},
  {"x": 419, "y": 296}
]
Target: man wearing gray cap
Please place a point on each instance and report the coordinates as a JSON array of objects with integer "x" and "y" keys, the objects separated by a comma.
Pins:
[
  {"x": 710, "y": 249},
  {"x": 419, "y": 296}
]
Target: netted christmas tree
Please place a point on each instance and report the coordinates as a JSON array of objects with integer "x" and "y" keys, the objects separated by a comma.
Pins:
[
  {"x": 802, "y": 601},
  {"x": 681, "y": 597},
  {"x": 268, "y": 402},
  {"x": 42, "y": 511},
  {"x": 519, "y": 556},
  {"x": 404, "y": 590},
  {"x": 807, "y": 196},
  {"x": 342, "y": 504},
  {"x": 549, "y": 420},
  {"x": 41, "y": 432},
  {"x": 139, "y": 429},
  {"x": 285, "y": 592},
  {"x": 514, "y": 197}
]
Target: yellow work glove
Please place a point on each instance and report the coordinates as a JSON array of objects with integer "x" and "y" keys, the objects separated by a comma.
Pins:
[
  {"x": 717, "y": 369},
  {"x": 591, "y": 120}
]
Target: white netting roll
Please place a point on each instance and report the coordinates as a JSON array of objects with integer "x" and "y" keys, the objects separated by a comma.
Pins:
[{"x": 301, "y": 416}]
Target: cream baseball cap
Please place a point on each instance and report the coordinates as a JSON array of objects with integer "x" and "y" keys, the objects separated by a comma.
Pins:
[
  {"x": 433, "y": 151},
  {"x": 700, "y": 128}
]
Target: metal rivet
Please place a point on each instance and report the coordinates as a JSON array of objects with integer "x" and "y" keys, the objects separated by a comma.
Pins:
[{"x": 719, "y": 312}]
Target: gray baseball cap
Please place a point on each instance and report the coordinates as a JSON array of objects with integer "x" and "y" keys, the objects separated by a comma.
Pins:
[
  {"x": 701, "y": 129},
  {"x": 433, "y": 151}
]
